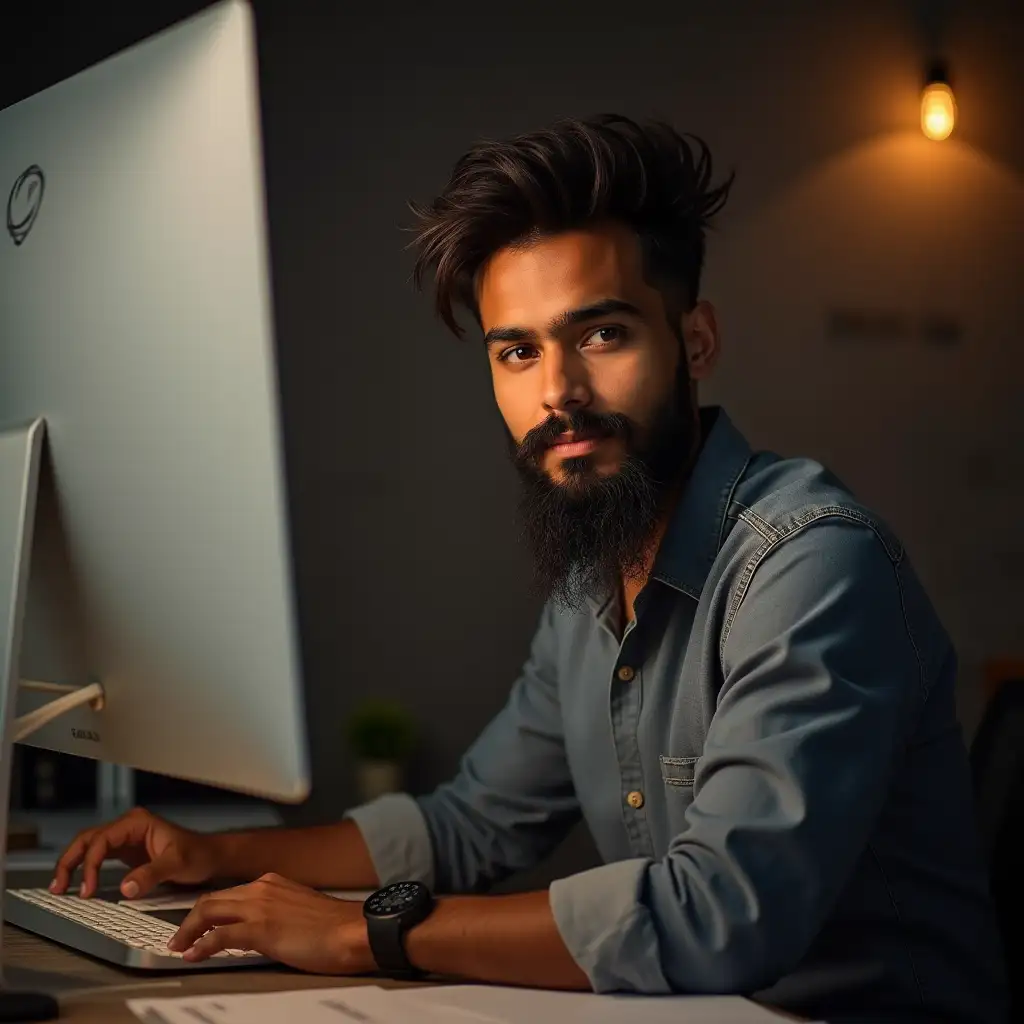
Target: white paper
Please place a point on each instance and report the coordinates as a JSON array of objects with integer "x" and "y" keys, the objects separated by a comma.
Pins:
[
  {"x": 363, "y": 1004},
  {"x": 402, "y": 1005},
  {"x": 534, "y": 1006},
  {"x": 187, "y": 900},
  {"x": 448, "y": 1004}
]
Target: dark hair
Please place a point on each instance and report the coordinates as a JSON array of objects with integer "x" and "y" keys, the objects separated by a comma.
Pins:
[{"x": 575, "y": 172}]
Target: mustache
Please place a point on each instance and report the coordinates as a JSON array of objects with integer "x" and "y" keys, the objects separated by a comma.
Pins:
[{"x": 580, "y": 421}]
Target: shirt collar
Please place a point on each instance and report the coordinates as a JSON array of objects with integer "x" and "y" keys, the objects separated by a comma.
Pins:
[{"x": 694, "y": 535}]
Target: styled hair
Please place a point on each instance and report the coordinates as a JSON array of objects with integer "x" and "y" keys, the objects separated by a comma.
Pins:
[{"x": 573, "y": 173}]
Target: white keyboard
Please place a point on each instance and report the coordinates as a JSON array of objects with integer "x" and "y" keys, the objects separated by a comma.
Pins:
[{"x": 142, "y": 937}]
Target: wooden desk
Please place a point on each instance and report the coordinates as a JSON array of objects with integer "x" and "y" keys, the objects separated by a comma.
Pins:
[{"x": 35, "y": 963}]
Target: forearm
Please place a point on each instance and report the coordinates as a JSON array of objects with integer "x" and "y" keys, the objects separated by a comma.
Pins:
[
  {"x": 321, "y": 856},
  {"x": 510, "y": 940}
]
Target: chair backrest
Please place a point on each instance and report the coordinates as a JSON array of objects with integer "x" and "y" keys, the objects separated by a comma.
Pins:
[{"x": 997, "y": 765}]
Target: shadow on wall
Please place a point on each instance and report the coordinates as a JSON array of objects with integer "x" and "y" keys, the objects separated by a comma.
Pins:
[{"x": 889, "y": 322}]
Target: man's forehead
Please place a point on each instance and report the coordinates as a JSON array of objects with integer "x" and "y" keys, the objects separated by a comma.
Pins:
[{"x": 538, "y": 280}]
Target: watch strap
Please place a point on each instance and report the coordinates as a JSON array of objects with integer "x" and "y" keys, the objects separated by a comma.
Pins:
[{"x": 387, "y": 943}]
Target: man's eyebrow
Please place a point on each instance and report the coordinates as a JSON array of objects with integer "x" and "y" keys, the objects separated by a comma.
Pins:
[{"x": 592, "y": 311}]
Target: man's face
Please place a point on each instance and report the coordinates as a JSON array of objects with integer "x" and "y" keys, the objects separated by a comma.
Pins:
[
  {"x": 546, "y": 364},
  {"x": 590, "y": 377}
]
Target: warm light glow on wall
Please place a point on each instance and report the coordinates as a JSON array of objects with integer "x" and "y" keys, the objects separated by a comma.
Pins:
[{"x": 938, "y": 106}]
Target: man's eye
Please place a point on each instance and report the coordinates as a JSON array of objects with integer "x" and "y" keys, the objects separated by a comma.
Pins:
[
  {"x": 607, "y": 335},
  {"x": 516, "y": 354}
]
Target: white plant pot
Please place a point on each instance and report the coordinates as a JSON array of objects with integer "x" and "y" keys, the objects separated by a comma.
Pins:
[{"x": 375, "y": 778}]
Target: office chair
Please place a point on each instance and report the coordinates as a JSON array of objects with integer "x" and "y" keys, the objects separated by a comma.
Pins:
[{"x": 997, "y": 767}]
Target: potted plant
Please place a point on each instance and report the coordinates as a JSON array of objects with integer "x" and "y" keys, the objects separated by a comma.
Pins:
[{"x": 382, "y": 735}]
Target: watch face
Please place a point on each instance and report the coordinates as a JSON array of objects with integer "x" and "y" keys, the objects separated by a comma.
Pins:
[{"x": 394, "y": 899}]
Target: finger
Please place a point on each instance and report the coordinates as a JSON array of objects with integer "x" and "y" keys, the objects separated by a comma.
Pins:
[
  {"x": 105, "y": 841},
  {"x": 102, "y": 846},
  {"x": 209, "y": 912},
  {"x": 145, "y": 878},
  {"x": 229, "y": 936},
  {"x": 70, "y": 860},
  {"x": 95, "y": 855}
]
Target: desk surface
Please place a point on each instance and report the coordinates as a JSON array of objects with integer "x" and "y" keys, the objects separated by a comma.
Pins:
[{"x": 34, "y": 963}]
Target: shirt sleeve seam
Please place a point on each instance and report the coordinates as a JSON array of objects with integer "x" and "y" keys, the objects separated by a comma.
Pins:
[
  {"x": 899, "y": 919},
  {"x": 923, "y": 685},
  {"x": 769, "y": 545}
]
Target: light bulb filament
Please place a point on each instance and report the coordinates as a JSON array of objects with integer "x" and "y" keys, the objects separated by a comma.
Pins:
[{"x": 938, "y": 110}]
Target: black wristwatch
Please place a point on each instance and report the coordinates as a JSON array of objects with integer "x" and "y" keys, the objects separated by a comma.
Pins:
[{"x": 390, "y": 912}]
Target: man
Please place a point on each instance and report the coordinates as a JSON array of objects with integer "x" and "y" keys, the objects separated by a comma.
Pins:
[{"x": 737, "y": 680}]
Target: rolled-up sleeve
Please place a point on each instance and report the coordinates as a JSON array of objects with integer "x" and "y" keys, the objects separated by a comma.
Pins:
[
  {"x": 395, "y": 833},
  {"x": 820, "y": 678},
  {"x": 511, "y": 802}
]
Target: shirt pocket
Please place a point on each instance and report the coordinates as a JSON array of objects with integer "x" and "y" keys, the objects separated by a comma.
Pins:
[{"x": 678, "y": 771}]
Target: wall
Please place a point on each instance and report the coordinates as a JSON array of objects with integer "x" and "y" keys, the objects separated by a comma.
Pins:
[
  {"x": 928, "y": 235},
  {"x": 412, "y": 583}
]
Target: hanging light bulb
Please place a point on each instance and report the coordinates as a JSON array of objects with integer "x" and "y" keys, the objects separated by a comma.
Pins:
[{"x": 938, "y": 106}]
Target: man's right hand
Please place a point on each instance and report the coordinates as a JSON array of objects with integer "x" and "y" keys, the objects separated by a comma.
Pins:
[{"x": 156, "y": 850}]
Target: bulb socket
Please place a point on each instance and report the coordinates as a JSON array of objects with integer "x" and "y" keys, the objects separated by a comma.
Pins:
[{"x": 937, "y": 74}]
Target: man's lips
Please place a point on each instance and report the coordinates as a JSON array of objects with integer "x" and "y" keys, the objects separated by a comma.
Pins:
[{"x": 573, "y": 443}]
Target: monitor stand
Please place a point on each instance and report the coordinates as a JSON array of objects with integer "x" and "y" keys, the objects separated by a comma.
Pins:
[{"x": 20, "y": 458}]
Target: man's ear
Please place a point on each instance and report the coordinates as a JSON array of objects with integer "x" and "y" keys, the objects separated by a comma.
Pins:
[{"x": 701, "y": 340}]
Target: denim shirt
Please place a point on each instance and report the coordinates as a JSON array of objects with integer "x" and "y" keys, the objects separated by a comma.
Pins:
[{"x": 768, "y": 759}]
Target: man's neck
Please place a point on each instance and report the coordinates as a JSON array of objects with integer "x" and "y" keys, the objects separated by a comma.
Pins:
[{"x": 631, "y": 587}]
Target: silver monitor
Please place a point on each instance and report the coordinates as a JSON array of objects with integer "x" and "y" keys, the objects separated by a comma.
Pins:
[{"x": 145, "y": 579}]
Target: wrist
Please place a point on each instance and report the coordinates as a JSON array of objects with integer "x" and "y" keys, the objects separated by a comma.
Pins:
[
  {"x": 441, "y": 938},
  {"x": 352, "y": 945},
  {"x": 224, "y": 851}
]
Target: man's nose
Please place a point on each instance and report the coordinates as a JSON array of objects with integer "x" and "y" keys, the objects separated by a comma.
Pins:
[{"x": 566, "y": 385}]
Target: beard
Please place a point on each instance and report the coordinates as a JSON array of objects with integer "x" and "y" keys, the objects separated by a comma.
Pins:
[{"x": 588, "y": 531}]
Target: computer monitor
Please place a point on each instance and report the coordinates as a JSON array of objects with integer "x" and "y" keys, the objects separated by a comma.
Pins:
[{"x": 144, "y": 544}]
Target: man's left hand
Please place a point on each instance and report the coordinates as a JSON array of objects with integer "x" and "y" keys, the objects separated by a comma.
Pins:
[{"x": 282, "y": 920}]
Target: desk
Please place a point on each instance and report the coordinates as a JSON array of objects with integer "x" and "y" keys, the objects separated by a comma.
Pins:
[{"x": 33, "y": 962}]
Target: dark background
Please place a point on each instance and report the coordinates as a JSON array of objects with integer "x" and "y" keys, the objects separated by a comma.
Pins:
[{"x": 868, "y": 279}]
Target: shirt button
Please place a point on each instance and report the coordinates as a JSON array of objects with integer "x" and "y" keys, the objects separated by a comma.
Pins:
[
  {"x": 626, "y": 673},
  {"x": 635, "y": 799}
]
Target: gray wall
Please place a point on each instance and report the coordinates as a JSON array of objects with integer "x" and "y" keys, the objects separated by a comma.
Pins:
[
  {"x": 840, "y": 204},
  {"x": 412, "y": 583}
]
